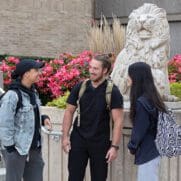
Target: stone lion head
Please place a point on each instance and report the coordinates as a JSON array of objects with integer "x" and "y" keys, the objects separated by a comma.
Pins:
[
  {"x": 148, "y": 21},
  {"x": 147, "y": 40}
]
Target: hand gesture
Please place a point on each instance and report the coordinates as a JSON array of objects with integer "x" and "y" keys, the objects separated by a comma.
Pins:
[{"x": 111, "y": 154}]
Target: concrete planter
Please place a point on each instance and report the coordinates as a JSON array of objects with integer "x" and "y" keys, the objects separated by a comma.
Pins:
[{"x": 121, "y": 169}]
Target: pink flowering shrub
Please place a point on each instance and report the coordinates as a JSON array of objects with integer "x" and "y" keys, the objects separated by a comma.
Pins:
[
  {"x": 7, "y": 66},
  {"x": 58, "y": 75},
  {"x": 174, "y": 69}
]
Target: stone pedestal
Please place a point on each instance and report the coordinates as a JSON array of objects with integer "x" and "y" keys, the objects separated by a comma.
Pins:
[{"x": 122, "y": 169}]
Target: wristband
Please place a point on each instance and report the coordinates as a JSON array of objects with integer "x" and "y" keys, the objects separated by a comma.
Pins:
[{"x": 115, "y": 146}]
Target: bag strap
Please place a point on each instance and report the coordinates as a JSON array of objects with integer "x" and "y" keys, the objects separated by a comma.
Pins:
[
  {"x": 152, "y": 112},
  {"x": 81, "y": 92},
  {"x": 148, "y": 106},
  {"x": 19, "y": 103},
  {"x": 108, "y": 102},
  {"x": 108, "y": 93}
]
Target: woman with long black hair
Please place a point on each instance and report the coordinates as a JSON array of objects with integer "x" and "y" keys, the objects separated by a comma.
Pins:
[{"x": 145, "y": 102}]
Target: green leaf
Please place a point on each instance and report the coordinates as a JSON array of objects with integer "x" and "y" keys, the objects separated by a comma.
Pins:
[
  {"x": 60, "y": 102},
  {"x": 175, "y": 89}
]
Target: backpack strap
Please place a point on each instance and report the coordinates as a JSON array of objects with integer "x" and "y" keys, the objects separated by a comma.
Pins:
[
  {"x": 144, "y": 101},
  {"x": 81, "y": 92},
  {"x": 152, "y": 112},
  {"x": 108, "y": 102},
  {"x": 19, "y": 103},
  {"x": 148, "y": 106},
  {"x": 108, "y": 93}
]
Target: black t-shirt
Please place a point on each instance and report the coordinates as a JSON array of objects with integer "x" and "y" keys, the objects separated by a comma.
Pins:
[{"x": 94, "y": 116}]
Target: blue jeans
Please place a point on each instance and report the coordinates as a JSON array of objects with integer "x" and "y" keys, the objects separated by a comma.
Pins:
[{"x": 149, "y": 171}]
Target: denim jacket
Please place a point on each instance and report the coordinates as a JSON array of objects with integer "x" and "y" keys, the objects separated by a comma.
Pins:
[{"x": 17, "y": 128}]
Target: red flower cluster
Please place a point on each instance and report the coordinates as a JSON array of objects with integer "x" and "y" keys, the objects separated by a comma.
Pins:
[
  {"x": 174, "y": 69},
  {"x": 58, "y": 75},
  {"x": 7, "y": 66}
]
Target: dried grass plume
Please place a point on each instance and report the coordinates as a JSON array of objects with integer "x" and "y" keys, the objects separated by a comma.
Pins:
[{"x": 103, "y": 38}]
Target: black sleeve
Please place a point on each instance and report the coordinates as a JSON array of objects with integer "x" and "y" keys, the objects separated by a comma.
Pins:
[
  {"x": 116, "y": 98},
  {"x": 72, "y": 99},
  {"x": 43, "y": 117},
  {"x": 140, "y": 127},
  {"x": 10, "y": 148}
]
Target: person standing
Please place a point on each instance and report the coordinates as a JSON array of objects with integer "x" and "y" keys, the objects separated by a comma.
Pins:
[
  {"x": 20, "y": 128},
  {"x": 91, "y": 139},
  {"x": 145, "y": 103}
]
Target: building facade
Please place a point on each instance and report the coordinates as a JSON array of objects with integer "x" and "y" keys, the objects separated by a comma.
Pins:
[
  {"x": 49, "y": 27},
  {"x": 44, "y": 27},
  {"x": 122, "y": 9}
]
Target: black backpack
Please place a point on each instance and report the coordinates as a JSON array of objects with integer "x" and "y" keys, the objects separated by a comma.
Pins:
[{"x": 19, "y": 103}]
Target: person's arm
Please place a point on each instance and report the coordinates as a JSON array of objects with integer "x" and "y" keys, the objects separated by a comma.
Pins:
[
  {"x": 67, "y": 123},
  {"x": 140, "y": 127},
  {"x": 45, "y": 120},
  {"x": 117, "y": 116},
  {"x": 68, "y": 117},
  {"x": 7, "y": 112}
]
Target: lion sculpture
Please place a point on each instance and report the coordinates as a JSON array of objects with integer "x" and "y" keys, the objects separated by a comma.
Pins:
[{"x": 147, "y": 40}]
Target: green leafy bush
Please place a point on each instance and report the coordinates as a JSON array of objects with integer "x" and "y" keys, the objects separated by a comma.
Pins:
[
  {"x": 59, "y": 102},
  {"x": 175, "y": 89}
]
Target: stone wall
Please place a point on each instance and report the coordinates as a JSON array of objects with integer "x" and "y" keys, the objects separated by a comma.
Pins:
[{"x": 44, "y": 27}]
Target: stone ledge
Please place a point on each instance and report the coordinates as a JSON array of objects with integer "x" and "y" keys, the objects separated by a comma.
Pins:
[{"x": 174, "y": 105}]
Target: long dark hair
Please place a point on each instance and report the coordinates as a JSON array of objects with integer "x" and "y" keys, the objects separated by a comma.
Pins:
[{"x": 143, "y": 85}]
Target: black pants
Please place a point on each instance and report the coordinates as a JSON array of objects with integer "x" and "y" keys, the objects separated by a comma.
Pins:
[{"x": 83, "y": 150}]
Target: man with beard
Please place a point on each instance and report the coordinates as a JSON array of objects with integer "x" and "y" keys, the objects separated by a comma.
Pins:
[{"x": 90, "y": 139}]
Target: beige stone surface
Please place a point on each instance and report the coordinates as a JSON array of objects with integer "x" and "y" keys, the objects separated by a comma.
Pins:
[
  {"x": 122, "y": 169},
  {"x": 44, "y": 27},
  {"x": 147, "y": 40}
]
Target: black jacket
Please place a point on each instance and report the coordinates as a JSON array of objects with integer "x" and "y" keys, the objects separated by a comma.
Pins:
[{"x": 144, "y": 130}]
